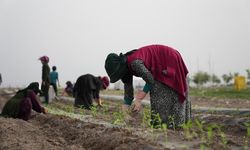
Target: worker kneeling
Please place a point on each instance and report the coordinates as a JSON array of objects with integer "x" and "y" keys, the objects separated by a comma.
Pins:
[{"x": 21, "y": 104}]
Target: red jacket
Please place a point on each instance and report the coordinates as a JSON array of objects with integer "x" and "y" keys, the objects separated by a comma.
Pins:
[{"x": 166, "y": 66}]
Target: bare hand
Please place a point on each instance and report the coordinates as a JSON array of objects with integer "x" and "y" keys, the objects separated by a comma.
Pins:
[
  {"x": 44, "y": 110},
  {"x": 136, "y": 105}
]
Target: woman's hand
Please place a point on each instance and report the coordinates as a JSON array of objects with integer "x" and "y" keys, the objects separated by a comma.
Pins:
[
  {"x": 98, "y": 102},
  {"x": 136, "y": 106},
  {"x": 44, "y": 110}
]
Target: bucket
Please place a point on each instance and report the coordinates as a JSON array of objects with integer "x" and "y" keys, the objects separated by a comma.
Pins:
[{"x": 240, "y": 83}]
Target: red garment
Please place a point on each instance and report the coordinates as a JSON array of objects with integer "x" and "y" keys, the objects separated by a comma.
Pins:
[{"x": 166, "y": 66}]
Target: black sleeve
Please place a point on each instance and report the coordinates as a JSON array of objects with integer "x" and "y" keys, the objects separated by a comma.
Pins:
[{"x": 128, "y": 87}]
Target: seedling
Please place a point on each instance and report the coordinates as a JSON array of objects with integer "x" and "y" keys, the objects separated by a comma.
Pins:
[
  {"x": 156, "y": 120},
  {"x": 222, "y": 135},
  {"x": 210, "y": 134},
  {"x": 105, "y": 109},
  {"x": 94, "y": 111},
  {"x": 146, "y": 117},
  {"x": 187, "y": 133},
  {"x": 118, "y": 118},
  {"x": 164, "y": 127},
  {"x": 171, "y": 121},
  {"x": 248, "y": 129},
  {"x": 199, "y": 124}
]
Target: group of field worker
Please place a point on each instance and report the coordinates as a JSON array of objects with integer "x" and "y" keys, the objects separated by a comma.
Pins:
[{"x": 160, "y": 66}]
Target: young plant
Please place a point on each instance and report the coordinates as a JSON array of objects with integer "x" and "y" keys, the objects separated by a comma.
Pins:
[
  {"x": 69, "y": 108},
  {"x": 164, "y": 127},
  {"x": 200, "y": 127},
  {"x": 222, "y": 135},
  {"x": 155, "y": 120},
  {"x": 199, "y": 124},
  {"x": 223, "y": 139},
  {"x": 245, "y": 143},
  {"x": 146, "y": 117},
  {"x": 202, "y": 147},
  {"x": 118, "y": 118},
  {"x": 94, "y": 111},
  {"x": 171, "y": 121},
  {"x": 105, "y": 109},
  {"x": 186, "y": 127},
  {"x": 248, "y": 129},
  {"x": 247, "y": 136},
  {"x": 210, "y": 134}
]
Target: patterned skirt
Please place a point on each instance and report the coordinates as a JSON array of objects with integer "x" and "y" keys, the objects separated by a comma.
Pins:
[{"x": 166, "y": 108}]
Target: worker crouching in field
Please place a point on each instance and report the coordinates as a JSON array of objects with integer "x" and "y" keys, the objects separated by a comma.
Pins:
[
  {"x": 68, "y": 90},
  {"x": 20, "y": 105},
  {"x": 164, "y": 72},
  {"x": 87, "y": 89}
]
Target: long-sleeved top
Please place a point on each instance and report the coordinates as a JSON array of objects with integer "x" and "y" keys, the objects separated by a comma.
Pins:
[
  {"x": 141, "y": 71},
  {"x": 155, "y": 62},
  {"x": 46, "y": 73},
  {"x": 86, "y": 88},
  {"x": 14, "y": 106}
]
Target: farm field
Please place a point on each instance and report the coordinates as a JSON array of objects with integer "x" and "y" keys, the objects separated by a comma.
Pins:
[{"x": 66, "y": 127}]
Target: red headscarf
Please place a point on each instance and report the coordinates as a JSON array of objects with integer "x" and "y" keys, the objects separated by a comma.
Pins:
[
  {"x": 44, "y": 59},
  {"x": 105, "y": 81}
]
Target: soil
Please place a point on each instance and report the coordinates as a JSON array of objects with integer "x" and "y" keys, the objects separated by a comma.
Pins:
[
  {"x": 102, "y": 129},
  {"x": 216, "y": 102}
]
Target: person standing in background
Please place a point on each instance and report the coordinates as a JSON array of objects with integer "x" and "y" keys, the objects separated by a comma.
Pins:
[
  {"x": 45, "y": 77},
  {"x": 54, "y": 81},
  {"x": 1, "y": 79}
]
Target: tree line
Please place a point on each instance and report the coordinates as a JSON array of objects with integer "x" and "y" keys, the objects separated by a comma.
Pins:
[{"x": 200, "y": 78}]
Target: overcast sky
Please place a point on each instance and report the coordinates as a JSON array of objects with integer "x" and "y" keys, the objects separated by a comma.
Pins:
[{"x": 211, "y": 35}]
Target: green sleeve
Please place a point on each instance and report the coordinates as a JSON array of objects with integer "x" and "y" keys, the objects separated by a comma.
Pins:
[
  {"x": 128, "y": 101},
  {"x": 146, "y": 88}
]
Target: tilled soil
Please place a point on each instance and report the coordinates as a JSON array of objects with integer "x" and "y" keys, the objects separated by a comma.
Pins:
[
  {"x": 218, "y": 102},
  {"x": 97, "y": 130},
  {"x": 59, "y": 132}
]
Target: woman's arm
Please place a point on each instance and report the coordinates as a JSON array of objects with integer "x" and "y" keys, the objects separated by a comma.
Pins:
[
  {"x": 140, "y": 70},
  {"x": 35, "y": 103}
]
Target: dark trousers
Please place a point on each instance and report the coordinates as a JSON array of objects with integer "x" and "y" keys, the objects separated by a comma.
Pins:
[
  {"x": 54, "y": 87},
  {"x": 45, "y": 92}
]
